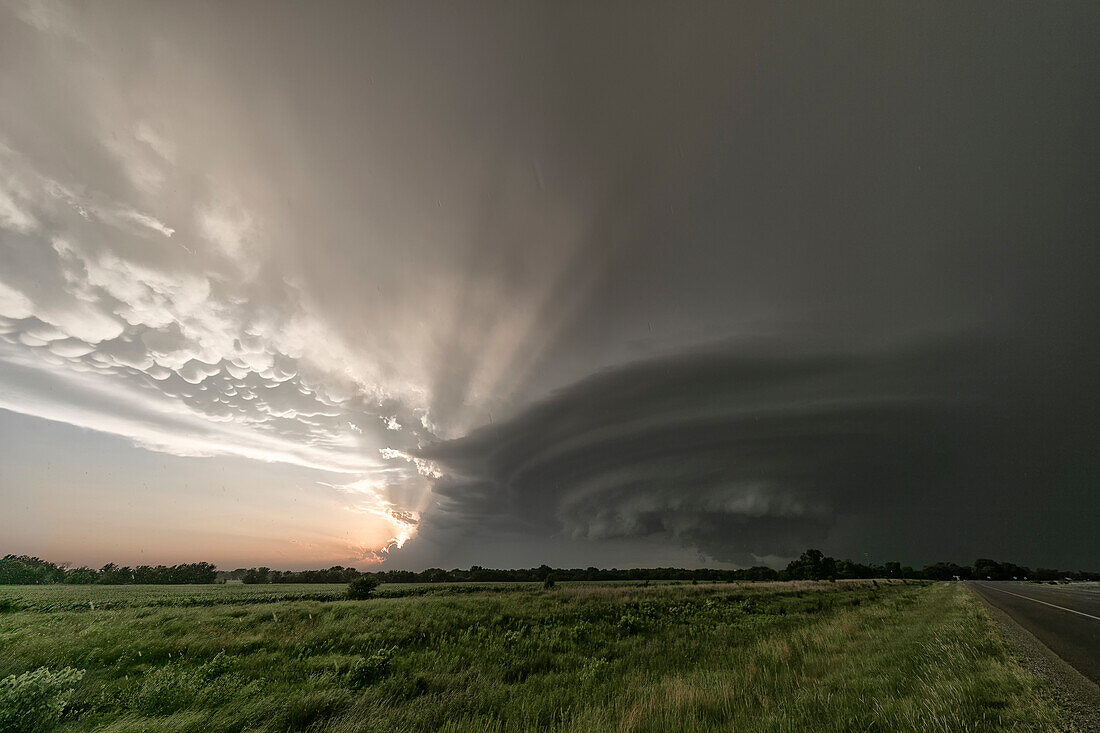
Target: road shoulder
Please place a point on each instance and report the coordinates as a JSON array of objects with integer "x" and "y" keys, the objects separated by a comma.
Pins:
[{"x": 1074, "y": 693}]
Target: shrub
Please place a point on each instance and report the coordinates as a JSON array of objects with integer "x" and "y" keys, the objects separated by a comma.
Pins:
[
  {"x": 362, "y": 587},
  {"x": 367, "y": 670},
  {"x": 34, "y": 701},
  {"x": 549, "y": 582},
  {"x": 593, "y": 670},
  {"x": 629, "y": 624}
]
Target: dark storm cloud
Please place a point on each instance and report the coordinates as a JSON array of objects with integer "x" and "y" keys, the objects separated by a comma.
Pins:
[
  {"x": 745, "y": 452},
  {"x": 870, "y": 178},
  {"x": 328, "y": 234}
]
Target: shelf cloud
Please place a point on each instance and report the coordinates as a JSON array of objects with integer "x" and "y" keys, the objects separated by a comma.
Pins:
[{"x": 750, "y": 450}]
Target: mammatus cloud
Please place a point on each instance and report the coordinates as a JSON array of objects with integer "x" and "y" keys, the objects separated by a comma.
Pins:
[
  {"x": 188, "y": 343},
  {"x": 163, "y": 359},
  {"x": 157, "y": 316}
]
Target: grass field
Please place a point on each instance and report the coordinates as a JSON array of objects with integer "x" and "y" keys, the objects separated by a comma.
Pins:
[
  {"x": 103, "y": 597},
  {"x": 585, "y": 657}
]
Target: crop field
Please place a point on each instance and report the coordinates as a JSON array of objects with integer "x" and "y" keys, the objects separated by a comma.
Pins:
[
  {"x": 47, "y": 598},
  {"x": 578, "y": 657},
  {"x": 102, "y": 597},
  {"x": 59, "y": 597}
]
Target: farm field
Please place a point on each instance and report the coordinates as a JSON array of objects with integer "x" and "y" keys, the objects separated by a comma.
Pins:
[
  {"x": 60, "y": 597},
  {"x": 579, "y": 657}
]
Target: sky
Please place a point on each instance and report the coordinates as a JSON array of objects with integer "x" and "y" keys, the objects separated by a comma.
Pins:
[{"x": 409, "y": 285}]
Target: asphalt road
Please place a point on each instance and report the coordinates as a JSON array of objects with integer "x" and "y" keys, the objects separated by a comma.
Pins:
[{"x": 1066, "y": 618}]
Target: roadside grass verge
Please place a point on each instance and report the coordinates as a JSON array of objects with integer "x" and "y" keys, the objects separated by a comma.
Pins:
[
  {"x": 748, "y": 657},
  {"x": 924, "y": 661}
]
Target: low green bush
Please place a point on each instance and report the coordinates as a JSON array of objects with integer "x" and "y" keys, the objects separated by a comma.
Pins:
[
  {"x": 34, "y": 701},
  {"x": 366, "y": 671},
  {"x": 362, "y": 588}
]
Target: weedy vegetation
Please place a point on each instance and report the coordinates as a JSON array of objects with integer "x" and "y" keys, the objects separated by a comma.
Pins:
[{"x": 574, "y": 657}]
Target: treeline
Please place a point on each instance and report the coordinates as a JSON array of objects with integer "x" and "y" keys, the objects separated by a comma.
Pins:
[
  {"x": 335, "y": 574},
  {"x": 812, "y": 565},
  {"x": 26, "y": 570}
]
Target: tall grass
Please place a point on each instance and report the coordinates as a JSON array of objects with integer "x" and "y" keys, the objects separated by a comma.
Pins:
[{"x": 799, "y": 656}]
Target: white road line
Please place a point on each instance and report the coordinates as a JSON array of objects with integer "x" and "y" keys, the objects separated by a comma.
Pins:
[{"x": 1029, "y": 598}]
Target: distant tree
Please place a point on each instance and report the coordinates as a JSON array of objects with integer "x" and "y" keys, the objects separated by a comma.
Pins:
[
  {"x": 946, "y": 571},
  {"x": 362, "y": 588},
  {"x": 108, "y": 574},
  {"x": 758, "y": 572},
  {"x": 848, "y": 570},
  {"x": 257, "y": 576},
  {"x": 26, "y": 570},
  {"x": 200, "y": 572},
  {"x": 435, "y": 575},
  {"x": 812, "y": 565},
  {"x": 478, "y": 574},
  {"x": 986, "y": 568},
  {"x": 111, "y": 574},
  {"x": 548, "y": 582},
  {"x": 81, "y": 576}
]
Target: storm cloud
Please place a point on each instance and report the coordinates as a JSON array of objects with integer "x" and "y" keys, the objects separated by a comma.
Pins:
[
  {"x": 749, "y": 451},
  {"x": 613, "y": 283}
]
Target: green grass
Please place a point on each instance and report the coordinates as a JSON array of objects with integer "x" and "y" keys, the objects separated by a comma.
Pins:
[
  {"x": 102, "y": 597},
  {"x": 584, "y": 657}
]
